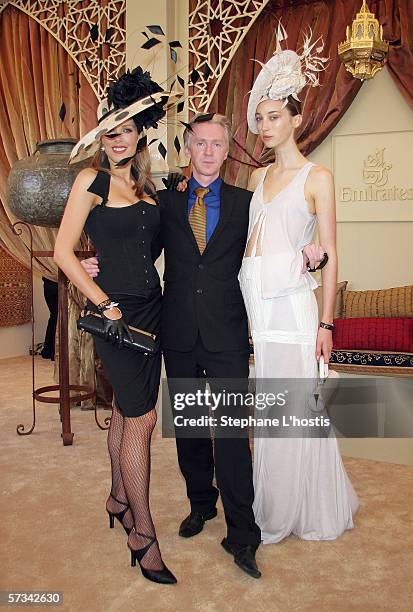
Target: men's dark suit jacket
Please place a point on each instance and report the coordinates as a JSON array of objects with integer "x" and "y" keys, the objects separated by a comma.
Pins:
[{"x": 201, "y": 292}]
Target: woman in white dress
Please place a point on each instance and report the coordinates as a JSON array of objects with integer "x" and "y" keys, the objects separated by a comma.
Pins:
[{"x": 301, "y": 486}]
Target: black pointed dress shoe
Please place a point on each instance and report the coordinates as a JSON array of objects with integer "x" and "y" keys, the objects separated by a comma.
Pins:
[
  {"x": 244, "y": 557},
  {"x": 194, "y": 523}
]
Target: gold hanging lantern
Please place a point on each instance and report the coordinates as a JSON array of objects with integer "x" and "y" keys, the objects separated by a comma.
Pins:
[{"x": 364, "y": 51}]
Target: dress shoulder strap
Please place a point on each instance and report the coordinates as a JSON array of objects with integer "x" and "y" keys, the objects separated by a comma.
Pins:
[
  {"x": 101, "y": 185},
  {"x": 305, "y": 171},
  {"x": 264, "y": 174},
  {"x": 260, "y": 184}
]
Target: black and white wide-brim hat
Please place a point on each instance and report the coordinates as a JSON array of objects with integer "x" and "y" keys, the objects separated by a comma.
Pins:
[{"x": 147, "y": 107}]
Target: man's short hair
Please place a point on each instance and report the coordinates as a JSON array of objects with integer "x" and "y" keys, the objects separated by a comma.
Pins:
[{"x": 208, "y": 118}]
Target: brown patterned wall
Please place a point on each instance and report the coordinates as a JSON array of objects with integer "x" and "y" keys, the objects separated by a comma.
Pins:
[{"x": 15, "y": 291}]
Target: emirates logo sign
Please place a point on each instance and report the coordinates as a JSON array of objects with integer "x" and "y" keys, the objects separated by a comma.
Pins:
[
  {"x": 376, "y": 178},
  {"x": 376, "y": 169}
]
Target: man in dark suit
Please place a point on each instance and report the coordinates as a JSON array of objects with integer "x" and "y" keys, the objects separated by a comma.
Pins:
[{"x": 205, "y": 330}]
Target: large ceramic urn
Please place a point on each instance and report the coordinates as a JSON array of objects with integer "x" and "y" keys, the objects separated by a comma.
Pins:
[{"x": 39, "y": 185}]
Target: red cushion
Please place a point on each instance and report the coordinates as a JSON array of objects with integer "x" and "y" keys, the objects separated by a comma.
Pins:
[{"x": 374, "y": 333}]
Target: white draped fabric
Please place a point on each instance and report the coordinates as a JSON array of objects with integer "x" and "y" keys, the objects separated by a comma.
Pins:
[{"x": 301, "y": 486}]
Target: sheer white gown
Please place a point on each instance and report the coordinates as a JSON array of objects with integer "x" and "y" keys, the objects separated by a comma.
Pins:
[{"x": 301, "y": 486}]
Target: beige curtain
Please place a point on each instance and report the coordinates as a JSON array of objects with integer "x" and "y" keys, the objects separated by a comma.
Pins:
[{"x": 37, "y": 75}]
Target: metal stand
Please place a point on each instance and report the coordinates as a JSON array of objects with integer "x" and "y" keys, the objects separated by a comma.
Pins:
[{"x": 64, "y": 399}]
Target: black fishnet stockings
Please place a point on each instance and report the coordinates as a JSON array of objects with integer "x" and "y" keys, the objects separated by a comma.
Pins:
[
  {"x": 118, "y": 499},
  {"x": 135, "y": 464}
]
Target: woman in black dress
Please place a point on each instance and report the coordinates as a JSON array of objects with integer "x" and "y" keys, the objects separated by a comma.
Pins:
[{"x": 110, "y": 201}]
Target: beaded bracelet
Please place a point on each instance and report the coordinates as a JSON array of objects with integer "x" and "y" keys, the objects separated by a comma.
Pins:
[{"x": 107, "y": 305}]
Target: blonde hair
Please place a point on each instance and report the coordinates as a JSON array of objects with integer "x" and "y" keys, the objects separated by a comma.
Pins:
[
  {"x": 216, "y": 118},
  {"x": 140, "y": 170}
]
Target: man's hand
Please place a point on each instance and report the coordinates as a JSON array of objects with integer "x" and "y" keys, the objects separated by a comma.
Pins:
[
  {"x": 175, "y": 182},
  {"x": 313, "y": 254},
  {"x": 91, "y": 266}
]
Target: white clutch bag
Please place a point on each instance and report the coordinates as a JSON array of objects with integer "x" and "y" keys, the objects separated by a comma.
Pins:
[{"x": 326, "y": 386}]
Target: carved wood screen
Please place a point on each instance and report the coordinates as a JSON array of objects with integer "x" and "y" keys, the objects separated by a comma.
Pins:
[
  {"x": 93, "y": 32},
  {"x": 216, "y": 30}
]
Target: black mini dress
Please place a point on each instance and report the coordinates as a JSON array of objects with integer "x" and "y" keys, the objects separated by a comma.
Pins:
[{"x": 124, "y": 238}]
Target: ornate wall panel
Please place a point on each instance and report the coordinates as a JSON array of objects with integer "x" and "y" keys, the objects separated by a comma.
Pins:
[
  {"x": 15, "y": 291},
  {"x": 216, "y": 30},
  {"x": 93, "y": 32}
]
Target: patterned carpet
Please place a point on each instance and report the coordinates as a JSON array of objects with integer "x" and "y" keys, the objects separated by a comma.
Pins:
[{"x": 55, "y": 536}]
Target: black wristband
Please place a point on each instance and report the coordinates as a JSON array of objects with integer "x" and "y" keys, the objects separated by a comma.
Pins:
[
  {"x": 320, "y": 265},
  {"x": 107, "y": 305},
  {"x": 329, "y": 326}
]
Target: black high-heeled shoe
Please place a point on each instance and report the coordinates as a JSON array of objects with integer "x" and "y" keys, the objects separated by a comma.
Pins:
[
  {"x": 163, "y": 576},
  {"x": 118, "y": 515}
]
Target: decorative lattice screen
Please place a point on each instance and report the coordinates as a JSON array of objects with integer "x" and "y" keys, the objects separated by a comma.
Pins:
[
  {"x": 216, "y": 30},
  {"x": 92, "y": 32}
]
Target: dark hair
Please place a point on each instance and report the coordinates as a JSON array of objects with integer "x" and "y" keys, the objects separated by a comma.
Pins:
[
  {"x": 135, "y": 85},
  {"x": 294, "y": 106}
]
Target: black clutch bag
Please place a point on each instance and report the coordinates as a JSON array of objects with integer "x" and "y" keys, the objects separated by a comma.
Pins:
[{"x": 143, "y": 341}]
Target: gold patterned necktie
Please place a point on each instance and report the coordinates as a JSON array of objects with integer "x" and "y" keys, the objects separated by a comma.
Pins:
[{"x": 197, "y": 218}]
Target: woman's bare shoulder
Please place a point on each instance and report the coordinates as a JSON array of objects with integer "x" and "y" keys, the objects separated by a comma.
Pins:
[
  {"x": 320, "y": 173},
  {"x": 255, "y": 177},
  {"x": 86, "y": 177},
  {"x": 81, "y": 192},
  {"x": 320, "y": 187}
]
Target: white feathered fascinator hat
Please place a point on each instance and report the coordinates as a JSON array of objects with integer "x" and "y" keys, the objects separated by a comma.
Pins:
[{"x": 286, "y": 73}]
